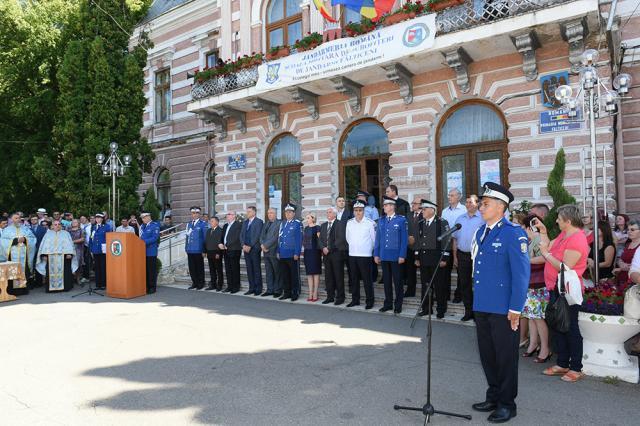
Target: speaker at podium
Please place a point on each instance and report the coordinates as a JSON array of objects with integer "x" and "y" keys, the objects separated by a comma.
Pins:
[{"x": 126, "y": 273}]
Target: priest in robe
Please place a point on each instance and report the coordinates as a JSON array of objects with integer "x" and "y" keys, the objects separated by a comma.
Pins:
[
  {"x": 56, "y": 259},
  {"x": 18, "y": 244}
]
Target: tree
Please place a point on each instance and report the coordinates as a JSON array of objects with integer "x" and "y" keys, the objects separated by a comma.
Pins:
[
  {"x": 560, "y": 196},
  {"x": 150, "y": 204}
]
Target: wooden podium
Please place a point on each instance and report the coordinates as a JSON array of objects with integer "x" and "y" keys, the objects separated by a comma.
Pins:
[{"x": 126, "y": 265}]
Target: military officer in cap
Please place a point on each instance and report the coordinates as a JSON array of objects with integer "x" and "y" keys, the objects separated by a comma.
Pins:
[
  {"x": 195, "y": 248},
  {"x": 97, "y": 246},
  {"x": 501, "y": 277},
  {"x": 289, "y": 249},
  {"x": 370, "y": 212},
  {"x": 150, "y": 234},
  {"x": 389, "y": 251},
  {"x": 427, "y": 254}
]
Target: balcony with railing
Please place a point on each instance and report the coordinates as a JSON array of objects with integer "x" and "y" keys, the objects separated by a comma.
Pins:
[{"x": 469, "y": 15}]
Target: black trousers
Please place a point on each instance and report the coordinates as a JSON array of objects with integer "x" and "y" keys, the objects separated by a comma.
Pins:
[
  {"x": 447, "y": 275},
  {"x": 465, "y": 284},
  {"x": 196, "y": 269},
  {"x": 361, "y": 270},
  {"x": 392, "y": 277},
  {"x": 498, "y": 346},
  {"x": 290, "y": 276},
  {"x": 412, "y": 273},
  {"x": 88, "y": 260},
  {"x": 100, "y": 265},
  {"x": 215, "y": 269},
  {"x": 427, "y": 269},
  {"x": 334, "y": 275},
  {"x": 232, "y": 269},
  {"x": 569, "y": 345},
  {"x": 152, "y": 272}
]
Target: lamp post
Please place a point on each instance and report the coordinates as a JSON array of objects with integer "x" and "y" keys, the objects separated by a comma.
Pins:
[
  {"x": 591, "y": 94},
  {"x": 111, "y": 164}
]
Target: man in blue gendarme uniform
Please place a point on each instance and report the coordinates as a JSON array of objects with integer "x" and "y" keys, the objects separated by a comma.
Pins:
[
  {"x": 501, "y": 277},
  {"x": 97, "y": 245},
  {"x": 194, "y": 246},
  {"x": 289, "y": 248},
  {"x": 150, "y": 234}
]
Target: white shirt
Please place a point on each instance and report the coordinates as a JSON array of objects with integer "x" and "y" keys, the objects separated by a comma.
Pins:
[
  {"x": 361, "y": 237},
  {"x": 451, "y": 214},
  {"x": 339, "y": 214},
  {"x": 635, "y": 263},
  {"x": 125, "y": 229}
]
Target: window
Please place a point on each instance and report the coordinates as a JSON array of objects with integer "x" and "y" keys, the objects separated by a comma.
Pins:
[
  {"x": 364, "y": 160},
  {"x": 212, "y": 59},
  {"x": 471, "y": 149},
  {"x": 163, "y": 187},
  {"x": 163, "y": 95},
  {"x": 210, "y": 185},
  {"x": 284, "y": 23},
  {"x": 283, "y": 174}
]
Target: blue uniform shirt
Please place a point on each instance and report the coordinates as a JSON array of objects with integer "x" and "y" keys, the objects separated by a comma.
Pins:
[
  {"x": 290, "y": 239},
  {"x": 371, "y": 213},
  {"x": 464, "y": 236},
  {"x": 196, "y": 233},
  {"x": 150, "y": 234},
  {"x": 98, "y": 237},
  {"x": 391, "y": 238},
  {"x": 501, "y": 269}
]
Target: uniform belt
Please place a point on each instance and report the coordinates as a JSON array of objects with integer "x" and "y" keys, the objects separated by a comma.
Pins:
[{"x": 466, "y": 253}]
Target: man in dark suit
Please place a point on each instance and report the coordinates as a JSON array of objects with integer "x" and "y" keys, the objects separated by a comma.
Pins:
[
  {"x": 333, "y": 244},
  {"x": 402, "y": 206},
  {"x": 343, "y": 213},
  {"x": 233, "y": 248},
  {"x": 212, "y": 242},
  {"x": 269, "y": 246},
  {"x": 250, "y": 240},
  {"x": 412, "y": 270}
]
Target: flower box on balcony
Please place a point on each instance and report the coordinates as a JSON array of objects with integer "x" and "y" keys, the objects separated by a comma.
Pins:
[
  {"x": 309, "y": 42},
  {"x": 278, "y": 52},
  {"x": 438, "y": 5},
  {"x": 397, "y": 17}
]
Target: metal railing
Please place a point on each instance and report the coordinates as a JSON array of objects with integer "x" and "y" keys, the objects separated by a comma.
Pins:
[
  {"x": 167, "y": 233},
  {"x": 246, "y": 77},
  {"x": 171, "y": 249}
]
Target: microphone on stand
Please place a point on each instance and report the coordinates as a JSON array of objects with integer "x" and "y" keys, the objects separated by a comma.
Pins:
[{"x": 449, "y": 232}]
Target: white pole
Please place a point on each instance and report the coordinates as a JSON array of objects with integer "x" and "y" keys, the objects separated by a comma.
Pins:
[
  {"x": 594, "y": 183},
  {"x": 604, "y": 180}
]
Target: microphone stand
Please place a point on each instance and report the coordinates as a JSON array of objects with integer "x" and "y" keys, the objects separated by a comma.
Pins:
[{"x": 428, "y": 409}]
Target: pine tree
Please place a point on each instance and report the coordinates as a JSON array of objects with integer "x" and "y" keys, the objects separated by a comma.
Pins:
[
  {"x": 150, "y": 204},
  {"x": 560, "y": 196}
]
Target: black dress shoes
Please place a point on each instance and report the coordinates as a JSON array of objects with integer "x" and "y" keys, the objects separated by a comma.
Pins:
[
  {"x": 485, "y": 406},
  {"x": 440, "y": 315},
  {"x": 199, "y": 288},
  {"x": 327, "y": 301},
  {"x": 284, "y": 297},
  {"x": 368, "y": 306},
  {"x": 294, "y": 298},
  {"x": 397, "y": 311},
  {"x": 151, "y": 290},
  {"x": 234, "y": 291},
  {"x": 338, "y": 302},
  {"x": 226, "y": 290},
  {"x": 352, "y": 304},
  {"x": 422, "y": 313},
  {"x": 276, "y": 295},
  {"x": 384, "y": 309},
  {"x": 501, "y": 415},
  {"x": 266, "y": 293},
  {"x": 247, "y": 293},
  {"x": 190, "y": 288},
  {"x": 210, "y": 288},
  {"x": 467, "y": 317}
]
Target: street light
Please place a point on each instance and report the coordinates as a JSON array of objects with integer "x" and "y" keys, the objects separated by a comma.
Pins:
[
  {"x": 112, "y": 165},
  {"x": 590, "y": 94}
]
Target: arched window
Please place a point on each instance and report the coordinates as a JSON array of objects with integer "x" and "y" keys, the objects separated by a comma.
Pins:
[
  {"x": 364, "y": 157},
  {"x": 471, "y": 149},
  {"x": 284, "y": 22},
  {"x": 283, "y": 174},
  {"x": 210, "y": 189},
  {"x": 163, "y": 188}
]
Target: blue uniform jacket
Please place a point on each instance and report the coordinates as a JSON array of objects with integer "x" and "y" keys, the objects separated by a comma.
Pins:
[
  {"x": 290, "y": 239},
  {"x": 501, "y": 269},
  {"x": 194, "y": 243},
  {"x": 391, "y": 238},
  {"x": 98, "y": 237},
  {"x": 150, "y": 234}
]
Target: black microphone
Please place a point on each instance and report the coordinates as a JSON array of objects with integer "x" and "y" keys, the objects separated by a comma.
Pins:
[{"x": 449, "y": 232}]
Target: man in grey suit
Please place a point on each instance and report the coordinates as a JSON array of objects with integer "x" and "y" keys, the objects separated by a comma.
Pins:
[
  {"x": 269, "y": 247},
  {"x": 250, "y": 239}
]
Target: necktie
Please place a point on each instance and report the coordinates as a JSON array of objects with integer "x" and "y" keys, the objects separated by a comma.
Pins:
[
  {"x": 486, "y": 232},
  {"x": 248, "y": 225}
]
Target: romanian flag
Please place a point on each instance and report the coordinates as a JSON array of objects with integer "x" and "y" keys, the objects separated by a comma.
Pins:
[
  {"x": 372, "y": 9},
  {"x": 323, "y": 11}
]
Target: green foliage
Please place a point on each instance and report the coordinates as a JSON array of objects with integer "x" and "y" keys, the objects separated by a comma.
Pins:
[
  {"x": 560, "y": 196},
  {"x": 151, "y": 205},
  {"x": 523, "y": 208}
]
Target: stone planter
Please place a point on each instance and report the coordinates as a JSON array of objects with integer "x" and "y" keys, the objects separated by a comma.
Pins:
[
  {"x": 445, "y": 4},
  {"x": 603, "y": 352}
]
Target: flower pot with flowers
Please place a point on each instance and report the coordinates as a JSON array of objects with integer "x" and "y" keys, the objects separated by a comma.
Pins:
[
  {"x": 310, "y": 41},
  {"x": 277, "y": 52},
  {"x": 438, "y": 5},
  {"x": 354, "y": 29},
  {"x": 604, "y": 330},
  {"x": 408, "y": 11}
]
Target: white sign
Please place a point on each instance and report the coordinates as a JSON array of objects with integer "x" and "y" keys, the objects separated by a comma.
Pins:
[{"x": 343, "y": 55}]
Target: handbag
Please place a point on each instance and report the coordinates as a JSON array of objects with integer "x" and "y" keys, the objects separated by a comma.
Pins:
[
  {"x": 572, "y": 285},
  {"x": 557, "y": 313}
]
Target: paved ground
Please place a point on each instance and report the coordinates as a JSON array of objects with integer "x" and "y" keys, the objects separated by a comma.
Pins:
[{"x": 182, "y": 357}]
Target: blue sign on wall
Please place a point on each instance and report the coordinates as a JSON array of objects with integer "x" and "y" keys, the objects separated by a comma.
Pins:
[
  {"x": 549, "y": 83},
  {"x": 238, "y": 161},
  {"x": 557, "y": 120}
]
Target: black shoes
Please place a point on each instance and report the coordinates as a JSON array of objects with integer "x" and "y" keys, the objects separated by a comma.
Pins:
[
  {"x": 501, "y": 415},
  {"x": 190, "y": 288},
  {"x": 327, "y": 301},
  {"x": 384, "y": 309},
  {"x": 422, "y": 313},
  {"x": 226, "y": 290},
  {"x": 440, "y": 315},
  {"x": 485, "y": 406},
  {"x": 456, "y": 300},
  {"x": 397, "y": 311},
  {"x": 294, "y": 298},
  {"x": 284, "y": 297},
  {"x": 151, "y": 290},
  {"x": 247, "y": 293},
  {"x": 210, "y": 288},
  {"x": 276, "y": 295},
  {"x": 467, "y": 317},
  {"x": 338, "y": 302},
  {"x": 266, "y": 293},
  {"x": 368, "y": 306},
  {"x": 233, "y": 291},
  {"x": 352, "y": 304}
]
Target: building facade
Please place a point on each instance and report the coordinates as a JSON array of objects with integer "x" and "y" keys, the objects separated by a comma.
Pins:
[{"x": 473, "y": 103}]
